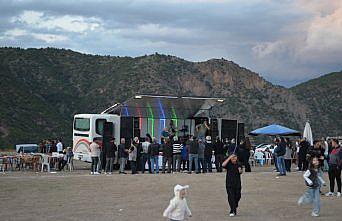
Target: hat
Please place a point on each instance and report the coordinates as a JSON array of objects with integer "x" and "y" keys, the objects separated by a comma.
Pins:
[{"x": 178, "y": 188}]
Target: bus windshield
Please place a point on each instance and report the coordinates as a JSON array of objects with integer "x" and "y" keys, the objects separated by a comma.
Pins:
[{"x": 82, "y": 124}]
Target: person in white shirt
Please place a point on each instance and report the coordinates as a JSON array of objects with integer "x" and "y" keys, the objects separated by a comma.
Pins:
[
  {"x": 59, "y": 146},
  {"x": 144, "y": 154},
  {"x": 94, "y": 154},
  {"x": 178, "y": 208}
]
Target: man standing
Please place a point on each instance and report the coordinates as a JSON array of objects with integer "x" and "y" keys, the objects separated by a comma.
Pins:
[
  {"x": 94, "y": 154},
  {"x": 177, "y": 154},
  {"x": 59, "y": 146},
  {"x": 208, "y": 154},
  {"x": 219, "y": 154},
  {"x": 132, "y": 157},
  {"x": 167, "y": 155},
  {"x": 110, "y": 149},
  {"x": 201, "y": 148},
  {"x": 144, "y": 154},
  {"x": 280, "y": 153},
  {"x": 233, "y": 148},
  {"x": 164, "y": 134},
  {"x": 303, "y": 150},
  {"x": 154, "y": 155},
  {"x": 193, "y": 154},
  {"x": 123, "y": 154},
  {"x": 202, "y": 129}
]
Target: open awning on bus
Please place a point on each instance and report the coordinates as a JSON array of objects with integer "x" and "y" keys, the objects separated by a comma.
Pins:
[{"x": 165, "y": 107}]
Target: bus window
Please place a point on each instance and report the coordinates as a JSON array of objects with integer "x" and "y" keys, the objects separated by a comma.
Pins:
[
  {"x": 82, "y": 124},
  {"x": 100, "y": 125}
]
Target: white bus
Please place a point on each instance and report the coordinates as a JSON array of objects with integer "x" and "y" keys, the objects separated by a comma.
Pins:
[{"x": 86, "y": 127}]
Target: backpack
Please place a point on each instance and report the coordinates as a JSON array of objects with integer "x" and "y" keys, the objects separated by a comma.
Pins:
[{"x": 339, "y": 161}]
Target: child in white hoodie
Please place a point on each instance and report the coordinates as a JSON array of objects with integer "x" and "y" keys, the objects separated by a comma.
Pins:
[{"x": 178, "y": 208}]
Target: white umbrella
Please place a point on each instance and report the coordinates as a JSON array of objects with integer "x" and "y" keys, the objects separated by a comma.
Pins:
[{"x": 308, "y": 133}]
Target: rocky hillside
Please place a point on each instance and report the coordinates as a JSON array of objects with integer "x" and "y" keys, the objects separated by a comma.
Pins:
[
  {"x": 41, "y": 90},
  {"x": 323, "y": 96}
]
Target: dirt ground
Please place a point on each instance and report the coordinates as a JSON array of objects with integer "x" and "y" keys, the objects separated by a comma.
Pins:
[{"x": 79, "y": 196}]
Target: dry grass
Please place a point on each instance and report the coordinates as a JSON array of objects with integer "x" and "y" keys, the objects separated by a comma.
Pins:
[{"x": 79, "y": 196}]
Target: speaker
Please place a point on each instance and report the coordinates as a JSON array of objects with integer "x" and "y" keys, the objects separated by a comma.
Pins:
[
  {"x": 136, "y": 132},
  {"x": 241, "y": 131},
  {"x": 136, "y": 123},
  {"x": 136, "y": 127},
  {"x": 126, "y": 128},
  {"x": 214, "y": 128},
  {"x": 228, "y": 129},
  {"x": 108, "y": 128}
]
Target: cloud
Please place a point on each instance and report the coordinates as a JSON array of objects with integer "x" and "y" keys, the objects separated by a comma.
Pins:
[
  {"x": 16, "y": 32},
  {"x": 49, "y": 38},
  {"x": 68, "y": 23},
  {"x": 285, "y": 41}
]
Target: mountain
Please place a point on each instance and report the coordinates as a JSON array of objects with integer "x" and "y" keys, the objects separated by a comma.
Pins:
[
  {"x": 41, "y": 90},
  {"x": 323, "y": 96}
]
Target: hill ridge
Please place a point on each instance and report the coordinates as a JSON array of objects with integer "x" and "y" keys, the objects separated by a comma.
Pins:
[{"x": 48, "y": 86}]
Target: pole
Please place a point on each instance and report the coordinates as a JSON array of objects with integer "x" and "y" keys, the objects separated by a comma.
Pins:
[{"x": 236, "y": 135}]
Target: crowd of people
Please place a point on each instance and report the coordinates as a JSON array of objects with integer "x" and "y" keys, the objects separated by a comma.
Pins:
[
  {"x": 51, "y": 145},
  {"x": 313, "y": 160},
  {"x": 327, "y": 153},
  {"x": 179, "y": 154}
]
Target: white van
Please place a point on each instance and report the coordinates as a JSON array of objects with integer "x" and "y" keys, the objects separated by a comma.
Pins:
[{"x": 26, "y": 148}]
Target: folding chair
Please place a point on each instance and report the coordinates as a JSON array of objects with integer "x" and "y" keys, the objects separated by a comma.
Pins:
[{"x": 259, "y": 158}]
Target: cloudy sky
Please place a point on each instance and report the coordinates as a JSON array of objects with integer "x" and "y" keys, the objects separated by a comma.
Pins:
[{"x": 286, "y": 41}]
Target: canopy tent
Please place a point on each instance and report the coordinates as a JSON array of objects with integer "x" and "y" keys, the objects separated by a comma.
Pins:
[
  {"x": 273, "y": 130},
  {"x": 165, "y": 107},
  {"x": 308, "y": 133}
]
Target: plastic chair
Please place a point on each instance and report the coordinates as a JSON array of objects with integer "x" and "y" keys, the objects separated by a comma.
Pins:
[
  {"x": 268, "y": 158},
  {"x": 259, "y": 158},
  {"x": 251, "y": 158},
  {"x": 2, "y": 165},
  {"x": 45, "y": 162},
  {"x": 35, "y": 162},
  {"x": 70, "y": 163}
]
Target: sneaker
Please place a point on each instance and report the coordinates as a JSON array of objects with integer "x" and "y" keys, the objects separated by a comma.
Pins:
[
  {"x": 338, "y": 194},
  {"x": 329, "y": 194},
  {"x": 105, "y": 173},
  {"x": 96, "y": 173},
  {"x": 91, "y": 173},
  {"x": 314, "y": 214},
  {"x": 231, "y": 214},
  {"x": 110, "y": 173}
]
